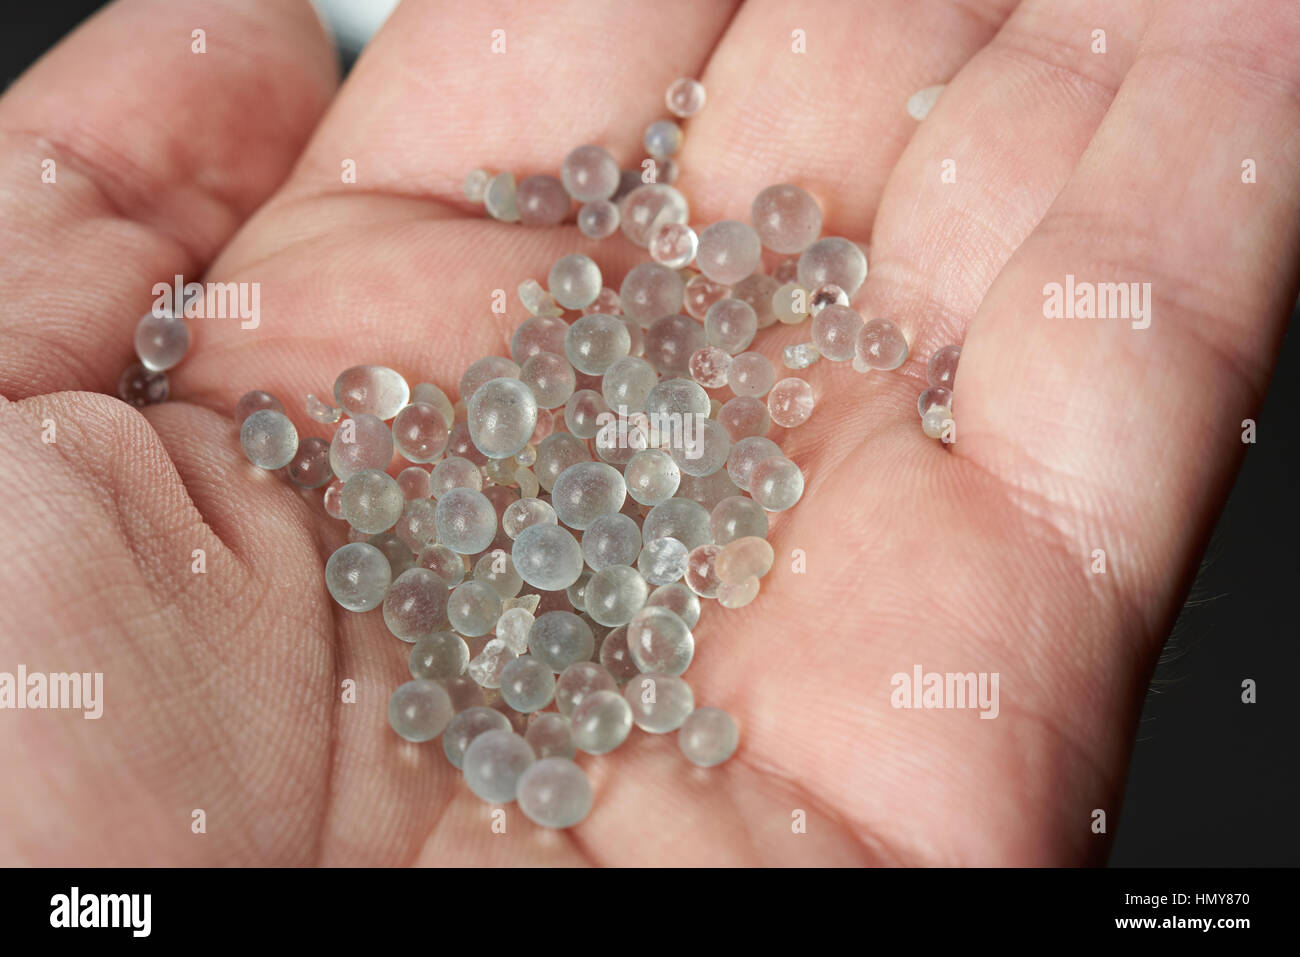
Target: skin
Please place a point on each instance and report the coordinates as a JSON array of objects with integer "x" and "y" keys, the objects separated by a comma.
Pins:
[{"x": 222, "y": 690}]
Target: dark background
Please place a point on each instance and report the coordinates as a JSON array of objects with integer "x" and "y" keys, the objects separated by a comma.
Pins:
[{"x": 1213, "y": 781}]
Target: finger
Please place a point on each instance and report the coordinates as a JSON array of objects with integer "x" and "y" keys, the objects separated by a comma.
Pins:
[
  {"x": 441, "y": 91},
  {"x": 128, "y": 157},
  {"x": 1124, "y": 438},
  {"x": 986, "y": 164},
  {"x": 817, "y": 95}
]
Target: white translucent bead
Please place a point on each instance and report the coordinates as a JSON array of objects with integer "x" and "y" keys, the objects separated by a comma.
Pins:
[
  {"x": 537, "y": 300},
  {"x": 613, "y": 539},
  {"x": 614, "y": 594},
  {"x": 790, "y": 303},
  {"x": 499, "y": 198},
  {"x": 786, "y": 218},
  {"x": 360, "y": 442},
  {"x": 269, "y": 439},
  {"x": 941, "y": 370},
  {"x": 487, "y": 666},
  {"x": 627, "y": 383},
  {"x": 596, "y": 341},
  {"x": 751, "y": 374},
  {"x": 659, "y": 703},
  {"x": 702, "y": 450},
  {"x": 542, "y": 200},
  {"x": 776, "y": 484},
  {"x": 671, "y": 341},
  {"x": 493, "y": 764},
  {"x": 662, "y": 561},
  {"x": 700, "y": 293},
  {"x": 502, "y": 415},
  {"x": 790, "y": 402},
  {"x": 708, "y": 737},
  {"x": 559, "y": 638},
  {"x": 430, "y": 394},
  {"x": 419, "y": 710},
  {"x": 473, "y": 608},
  {"x": 555, "y": 792},
  {"x": 527, "y": 685},
  {"x": 701, "y": 576},
  {"x": 663, "y": 138},
  {"x": 513, "y": 627},
  {"x": 729, "y": 251},
  {"x": 496, "y": 569},
  {"x": 524, "y": 513},
  {"x": 322, "y": 411},
  {"x": 310, "y": 465},
  {"x": 251, "y": 402},
  {"x": 372, "y": 501},
  {"x": 835, "y": 332},
  {"x": 357, "y": 576},
  {"x": 827, "y": 294},
  {"x": 371, "y": 390},
  {"x": 601, "y": 722},
  {"x": 746, "y": 454},
  {"x": 936, "y": 395},
  {"x": 589, "y": 173},
  {"x": 678, "y": 518},
  {"x": 742, "y": 559},
  {"x": 550, "y": 377},
  {"x": 475, "y": 184},
  {"x": 582, "y": 414},
  {"x": 652, "y": 477},
  {"x": 649, "y": 292},
  {"x": 444, "y": 563},
  {"x": 881, "y": 345},
  {"x": 557, "y": 452},
  {"x": 161, "y": 341},
  {"x": 550, "y": 735},
  {"x": 744, "y": 416},
  {"x": 659, "y": 641},
  {"x": 685, "y": 97},
  {"x": 737, "y": 517},
  {"x": 800, "y": 356},
  {"x": 756, "y": 291},
  {"x": 547, "y": 557},
  {"x": 936, "y": 421},
  {"x": 730, "y": 325},
  {"x": 674, "y": 245},
  {"x": 679, "y": 599},
  {"x": 616, "y": 657},
  {"x": 586, "y": 491},
  {"x": 920, "y": 103},
  {"x": 439, "y": 656},
  {"x": 574, "y": 281},
  {"x": 454, "y": 472},
  {"x": 834, "y": 260},
  {"x": 484, "y": 371},
  {"x": 599, "y": 219},
  {"x": 468, "y": 725},
  {"x": 579, "y": 680},
  {"x": 646, "y": 208},
  {"x": 466, "y": 521}
]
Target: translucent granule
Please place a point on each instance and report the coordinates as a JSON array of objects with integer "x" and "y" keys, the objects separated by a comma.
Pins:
[
  {"x": 475, "y": 185},
  {"x": 790, "y": 303},
  {"x": 468, "y": 725},
  {"x": 703, "y": 452},
  {"x": 332, "y": 499},
  {"x": 547, "y": 557},
  {"x": 729, "y": 251},
  {"x": 677, "y": 598},
  {"x": 439, "y": 656},
  {"x": 740, "y": 595},
  {"x": 537, "y": 300},
  {"x": 420, "y": 432},
  {"x": 790, "y": 402},
  {"x": 786, "y": 218},
  {"x": 662, "y": 561},
  {"x": 685, "y": 97},
  {"x": 652, "y": 477},
  {"x": 574, "y": 281},
  {"x": 551, "y": 736},
  {"x": 920, "y": 103},
  {"x": 827, "y": 294},
  {"x": 371, "y": 390},
  {"x": 414, "y": 482},
  {"x": 599, "y": 219},
  {"x": 700, "y": 293},
  {"x": 616, "y": 657},
  {"x": 419, "y": 710},
  {"x": 161, "y": 341},
  {"x": 542, "y": 201},
  {"x": 322, "y": 411},
  {"x": 647, "y": 207},
  {"x": 527, "y": 685},
  {"x": 501, "y": 414},
  {"x": 372, "y": 501},
  {"x": 555, "y": 453},
  {"x": 513, "y": 627},
  {"x": 579, "y": 680},
  {"x": 357, "y": 576},
  {"x": 589, "y": 174},
  {"x": 649, "y": 292},
  {"x": 360, "y": 442},
  {"x": 731, "y": 325},
  {"x": 674, "y": 245},
  {"x": 744, "y": 416},
  {"x": 595, "y": 342},
  {"x": 627, "y": 383},
  {"x": 663, "y": 138},
  {"x": 524, "y": 513},
  {"x": 554, "y": 792},
  {"x": 834, "y": 260},
  {"x": 444, "y": 563},
  {"x": 310, "y": 466},
  {"x": 499, "y": 198},
  {"x": 936, "y": 421},
  {"x": 756, "y": 291},
  {"x": 776, "y": 484},
  {"x": 701, "y": 575},
  {"x": 800, "y": 355},
  {"x": 559, "y": 638},
  {"x": 454, "y": 472},
  {"x": 708, "y": 737},
  {"x": 486, "y": 667},
  {"x": 551, "y": 379},
  {"x": 139, "y": 387},
  {"x": 613, "y": 539},
  {"x": 269, "y": 439},
  {"x": 881, "y": 345},
  {"x": 936, "y": 395},
  {"x": 743, "y": 558},
  {"x": 671, "y": 341},
  {"x": 751, "y": 374},
  {"x": 710, "y": 365},
  {"x": 678, "y": 518},
  {"x": 493, "y": 764},
  {"x": 659, "y": 642},
  {"x": 582, "y": 413},
  {"x": 416, "y": 605},
  {"x": 466, "y": 521},
  {"x": 659, "y": 703},
  {"x": 835, "y": 332},
  {"x": 473, "y": 608},
  {"x": 601, "y": 722},
  {"x": 941, "y": 370},
  {"x": 614, "y": 594},
  {"x": 586, "y": 491},
  {"x": 735, "y": 517}
]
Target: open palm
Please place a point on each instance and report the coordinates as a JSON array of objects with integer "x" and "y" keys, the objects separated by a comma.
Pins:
[{"x": 223, "y": 689}]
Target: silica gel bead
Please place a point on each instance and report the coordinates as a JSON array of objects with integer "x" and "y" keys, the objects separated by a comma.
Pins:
[
  {"x": 550, "y": 735},
  {"x": 589, "y": 174},
  {"x": 554, "y": 792},
  {"x": 466, "y": 521},
  {"x": 708, "y": 737},
  {"x": 419, "y": 710},
  {"x": 559, "y": 638},
  {"x": 416, "y": 605},
  {"x": 541, "y": 201},
  {"x": 161, "y": 341},
  {"x": 834, "y": 260},
  {"x": 372, "y": 501},
  {"x": 371, "y": 390},
  {"x": 527, "y": 685},
  {"x": 659, "y": 642},
  {"x": 881, "y": 345},
  {"x": 941, "y": 370},
  {"x": 659, "y": 703},
  {"x": 269, "y": 439},
  {"x": 357, "y": 576},
  {"x": 501, "y": 414},
  {"x": 439, "y": 656},
  {"x": 468, "y": 725},
  {"x": 729, "y": 251},
  {"x": 547, "y": 557},
  {"x": 574, "y": 281},
  {"x": 601, "y": 722},
  {"x": 493, "y": 764},
  {"x": 786, "y": 218},
  {"x": 685, "y": 97}
]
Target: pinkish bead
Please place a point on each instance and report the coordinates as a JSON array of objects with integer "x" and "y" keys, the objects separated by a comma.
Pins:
[
  {"x": 542, "y": 201},
  {"x": 881, "y": 345},
  {"x": 701, "y": 293},
  {"x": 942, "y": 367},
  {"x": 744, "y": 416}
]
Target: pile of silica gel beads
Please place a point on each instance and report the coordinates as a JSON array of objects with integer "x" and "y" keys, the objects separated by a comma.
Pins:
[{"x": 587, "y": 492}]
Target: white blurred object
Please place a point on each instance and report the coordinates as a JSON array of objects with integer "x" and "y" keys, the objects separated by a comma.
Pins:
[{"x": 354, "y": 21}]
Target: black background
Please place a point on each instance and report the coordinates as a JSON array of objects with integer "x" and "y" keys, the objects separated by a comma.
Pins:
[{"x": 1213, "y": 782}]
